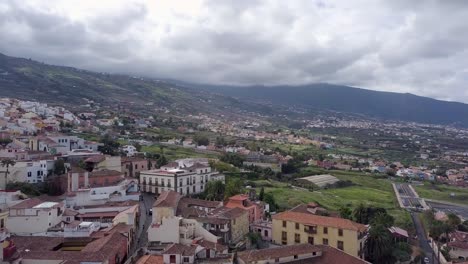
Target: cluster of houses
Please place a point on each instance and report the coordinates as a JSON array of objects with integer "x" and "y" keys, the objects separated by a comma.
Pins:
[
  {"x": 190, "y": 230},
  {"x": 25, "y": 117}
]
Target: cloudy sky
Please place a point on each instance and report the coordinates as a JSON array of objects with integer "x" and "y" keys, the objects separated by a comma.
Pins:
[{"x": 418, "y": 46}]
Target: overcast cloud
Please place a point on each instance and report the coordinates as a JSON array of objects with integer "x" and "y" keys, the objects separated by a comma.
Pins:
[{"x": 418, "y": 46}]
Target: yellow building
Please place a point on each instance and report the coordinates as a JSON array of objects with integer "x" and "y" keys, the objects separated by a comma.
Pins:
[{"x": 291, "y": 228}]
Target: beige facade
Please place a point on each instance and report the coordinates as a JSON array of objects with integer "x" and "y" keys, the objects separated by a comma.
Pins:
[
  {"x": 239, "y": 227},
  {"x": 33, "y": 217},
  {"x": 298, "y": 228}
]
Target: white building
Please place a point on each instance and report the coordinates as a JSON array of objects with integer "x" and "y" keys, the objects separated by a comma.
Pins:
[
  {"x": 130, "y": 150},
  {"x": 34, "y": 217},
  {"x": 166, "y": 227},
  {"x": 189, "y": 180},
  {"x": 32, "y": 171}
]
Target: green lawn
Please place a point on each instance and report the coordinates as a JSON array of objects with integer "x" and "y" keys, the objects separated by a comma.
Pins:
[{"x": 442, "y": 193}]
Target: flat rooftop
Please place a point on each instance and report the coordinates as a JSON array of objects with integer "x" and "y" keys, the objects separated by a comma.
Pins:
[{"x": 45, "y": 205}]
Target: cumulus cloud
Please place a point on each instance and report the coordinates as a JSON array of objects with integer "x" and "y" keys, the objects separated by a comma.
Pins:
[{"x": 419, "y": 47}]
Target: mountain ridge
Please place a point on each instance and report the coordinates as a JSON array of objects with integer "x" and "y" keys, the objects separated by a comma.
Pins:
[{"x": 28, "y": 79}]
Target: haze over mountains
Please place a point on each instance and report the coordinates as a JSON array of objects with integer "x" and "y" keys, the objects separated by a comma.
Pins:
[{"x": 32, "y": 80}]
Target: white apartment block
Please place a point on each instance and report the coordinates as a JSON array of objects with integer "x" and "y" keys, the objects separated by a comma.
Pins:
[{"x": 186, "y": 181}]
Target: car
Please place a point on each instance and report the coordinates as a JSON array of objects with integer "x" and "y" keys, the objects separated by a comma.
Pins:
[{"x": 426, "y": 260}]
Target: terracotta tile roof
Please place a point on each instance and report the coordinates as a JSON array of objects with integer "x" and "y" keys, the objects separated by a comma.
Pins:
[
  {"x": 168, "y": 199},
  {"x": 151, "y": 259},
  {"x": 187, "y": 207},
  {"x": 180, "y": 249},
  {"x": 325, "y": 255},
  {"x": 222, "y": 215},
  {"x": 239, "y": 197},
  {"x": 29, "y": 203},
  {"x": 69, "y": 212},
  {"x": 310, "y": 219},
  {"x": 96, "y": 159},
  {"x": 45, "y": 248},
  {"x": 331, "y": 255},
  {"x": 210, "y": 245},
  {"x": 252, "y": 256},
  {"x": 233, "y": 213}
]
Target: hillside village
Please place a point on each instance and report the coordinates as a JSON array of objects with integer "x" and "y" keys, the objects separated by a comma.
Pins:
[{"x": 94, "y": 186}]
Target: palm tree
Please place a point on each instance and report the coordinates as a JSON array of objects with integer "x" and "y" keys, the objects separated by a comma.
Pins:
[
  {"x": 379, "y": 245},
  {"x": 360, "y": 214},
  {"x": 7, "y": 163}
]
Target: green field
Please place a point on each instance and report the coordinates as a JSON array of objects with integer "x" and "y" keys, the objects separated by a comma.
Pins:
[
  {"x": 369, "y": 190},
  {"x": 176, "y": 152},
  {"x": 442, "y": 193}
]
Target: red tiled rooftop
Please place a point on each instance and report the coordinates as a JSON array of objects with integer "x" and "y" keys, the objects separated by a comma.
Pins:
[
  {"x": 167, "y": 199},
  {"x": 181, "y": 249},
  {"x": 310, "y": 219},
  {"x": 29, "y": 203},
  {"x": 151, "y": 259},
  {"x": 239, "y": 197}
]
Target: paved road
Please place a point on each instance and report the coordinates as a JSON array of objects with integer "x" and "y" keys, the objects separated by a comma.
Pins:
[
  {"x": 423, "y": 239},
  {"x": 449, "y": 208},
  {"x": 145, "y": 220}
]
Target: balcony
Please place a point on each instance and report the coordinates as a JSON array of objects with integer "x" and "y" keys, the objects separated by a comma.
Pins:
[{"x": 310, "y": 230}]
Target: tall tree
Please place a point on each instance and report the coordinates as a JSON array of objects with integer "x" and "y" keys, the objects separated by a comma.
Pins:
[
  {"x": 360, "y": 214},
  {"x": 346, "y": 213},
  {"x": 214, "y": 191},
  {"x": 233, "y": 187},
  {"x": 270, "y": 200},
  {"x": 7, "y": 163},
  {"x": 262, "y": 194},
  {"x": 379, "y": 245}
]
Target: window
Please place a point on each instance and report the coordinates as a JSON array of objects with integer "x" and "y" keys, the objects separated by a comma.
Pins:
[
  {"x": 29, "y": 174},
  {"x": 297, "y": 226},
  {"x": 310, "y": 240},
  {"x": 340, "y": 232},
  {"x": 284, "y": 235},
  {"x": 284, "y": 223},
  {"x": 295, "y": 256},
  {"x": 186, "y": 259},
  {"x": 325, "y": 230},
  {"x": 325, "y": 241},
  {"x": 172, "y": 259},
  {"x": 297, "y": 238},
  {"x": 340, "y": 245},
  {"x": 136, "y": 166}
]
